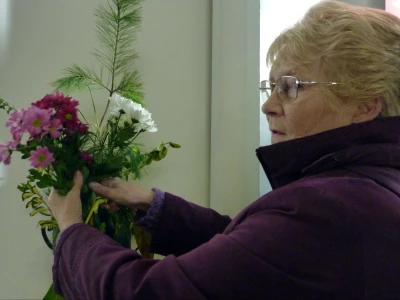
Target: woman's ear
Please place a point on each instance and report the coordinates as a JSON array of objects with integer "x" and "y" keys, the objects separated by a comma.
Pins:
[{"x": 368, "y": 111}]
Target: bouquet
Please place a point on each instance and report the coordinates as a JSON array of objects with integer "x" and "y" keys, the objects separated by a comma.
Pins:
[
  {"x": 56, "y": 142},
  {"x": 57, "y": 139},
  {"x": 50, "y": 135}
]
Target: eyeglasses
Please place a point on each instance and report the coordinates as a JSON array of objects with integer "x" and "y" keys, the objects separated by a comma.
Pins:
[{"x": 287, "y": 87}]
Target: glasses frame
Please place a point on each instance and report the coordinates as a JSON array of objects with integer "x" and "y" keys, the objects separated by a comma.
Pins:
[{"x": 264, "y": 88}]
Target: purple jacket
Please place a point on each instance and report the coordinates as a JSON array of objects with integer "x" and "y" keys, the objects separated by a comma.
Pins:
[{"x": 330, "y": 229}]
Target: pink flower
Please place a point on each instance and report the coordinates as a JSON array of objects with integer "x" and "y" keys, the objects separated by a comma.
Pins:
[
  {"x": 53, "y": 128},
  {"x": 67, "y": 114},
  {"x": 86, "y": 157},
  {"x": 36, "y": 119},
  {"x": 16, "y": 124},
  {"x": 65, "y": 110},
  {"x": 41, "y": 158},
  {"x": 82, "y": 128},
  {"x": 55, "y": 101},
  {"x": 6, "y": 150}
]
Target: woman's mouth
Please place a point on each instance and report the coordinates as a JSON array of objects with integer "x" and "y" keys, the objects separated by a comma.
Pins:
[{"x": 277, "y": 132}]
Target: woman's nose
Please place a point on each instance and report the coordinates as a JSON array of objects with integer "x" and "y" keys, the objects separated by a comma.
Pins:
[{"x": 272, "y": 106}]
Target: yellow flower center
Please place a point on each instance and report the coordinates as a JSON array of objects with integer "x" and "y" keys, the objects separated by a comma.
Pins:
[
  {"x": 51, "y": 128},
  {"x": 68, "y": 116},
  {"x": 41, "y": 158},
  {"x": 37, "y": 123}
]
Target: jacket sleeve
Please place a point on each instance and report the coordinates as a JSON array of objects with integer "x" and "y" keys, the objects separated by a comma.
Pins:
[
  {"x": 89, "y": 265},
  {"x": 276, "y": 251},
  {"x": 183, "y": 226}
]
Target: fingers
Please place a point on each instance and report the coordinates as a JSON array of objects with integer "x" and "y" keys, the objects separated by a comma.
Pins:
[
  {"x": 53, "y": 191},
  {"x": 110, "y": 182},
  {"x": 111, "y": 206},
  {"x": 101, "y": 190},
  {"x": 78, "y": 181}
]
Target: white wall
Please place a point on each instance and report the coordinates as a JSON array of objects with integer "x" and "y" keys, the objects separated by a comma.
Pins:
[
  {"x": 235, "y": 106},
  {"x": 175, "y": 60}
]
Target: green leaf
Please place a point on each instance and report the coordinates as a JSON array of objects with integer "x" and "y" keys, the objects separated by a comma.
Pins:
[
  {"x": 42, "y": 210},
  {"x": 174, "y": 145},
  {"x": 102, "y": 227},
  {"x": 35, "y": 173},
  {"x": 34, "y": 202},
  {"x": 27, "y": 194},
  {"x": 32, "y": 144},
  {"x": 23, "y": 187},
  {"x": 43, "y": 180},
  {"x": 51, "y": 294},
  {"x": 162, "y": 153},
  {"x": 47, "y": 223},
  {"x": 61, "y": 169}
]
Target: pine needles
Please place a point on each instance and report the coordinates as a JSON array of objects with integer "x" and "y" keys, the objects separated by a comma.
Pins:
[{"x": 116, "y": 26}]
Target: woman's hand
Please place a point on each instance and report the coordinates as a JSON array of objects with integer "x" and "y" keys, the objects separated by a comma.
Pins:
[
  {"x": 121, "y": 192},
  {"x": 67, "y": 210}
]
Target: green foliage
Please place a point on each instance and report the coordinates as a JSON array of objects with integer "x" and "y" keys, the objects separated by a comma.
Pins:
[
  {"x": 4, "y": 105},
  {"x": 42, "y": 180},
  {"x": 158, "y": 153},
  {"x": 77, "y": 79},
  {"x": 48, "y": 224},
  {"x": 51, "y": 294},
  {"x": 130, "y": 87},
  {"x": 34, "y": 198},
  {"x": 116, "y": 28}
]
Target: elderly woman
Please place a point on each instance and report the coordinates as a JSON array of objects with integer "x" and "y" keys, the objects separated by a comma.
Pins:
[{"x": 330, "y": 229}]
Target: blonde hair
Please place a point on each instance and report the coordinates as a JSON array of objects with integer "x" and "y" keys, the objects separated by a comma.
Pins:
[{"x": 356, "y": 46}]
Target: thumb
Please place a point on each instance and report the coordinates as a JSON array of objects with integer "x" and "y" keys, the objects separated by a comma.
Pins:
[{"x": 78, "y": 181}]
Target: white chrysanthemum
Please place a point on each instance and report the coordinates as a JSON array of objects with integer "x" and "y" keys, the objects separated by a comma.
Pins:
[{"x": 134, "y": 111}]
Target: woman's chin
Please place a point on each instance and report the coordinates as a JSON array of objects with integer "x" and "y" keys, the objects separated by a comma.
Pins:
[{"x": 278, "y": 137}]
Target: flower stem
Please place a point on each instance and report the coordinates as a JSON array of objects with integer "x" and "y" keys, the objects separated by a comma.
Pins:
[
  {"x": 94, "y": 106},
  {"x": 83, "y": 116},
  {"x": 95, "y": 208}
]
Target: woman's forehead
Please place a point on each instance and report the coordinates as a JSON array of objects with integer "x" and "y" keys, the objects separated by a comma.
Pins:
[
  {"x": 279, "y": 69},
  {"x": 289, "y": 68}
]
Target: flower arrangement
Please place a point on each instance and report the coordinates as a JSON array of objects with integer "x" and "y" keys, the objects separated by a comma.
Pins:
[
  {"x": 50, "y": 135},
  {"x": 56, "y": 142},
  {"x": 57, "y": 139}
]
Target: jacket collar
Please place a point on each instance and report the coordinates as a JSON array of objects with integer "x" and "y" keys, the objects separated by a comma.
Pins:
[{"x": 375, "y": 142}]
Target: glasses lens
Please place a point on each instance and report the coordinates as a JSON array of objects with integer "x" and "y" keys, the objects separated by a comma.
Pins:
[
  {"x": 264, "y": 95},
  {"x": 265, "y": 90},
  {"x": 287, "y": 87}
]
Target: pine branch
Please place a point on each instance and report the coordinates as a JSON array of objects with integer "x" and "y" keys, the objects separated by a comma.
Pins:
[
  {"x": 77, "y": 79},
  {"x": 116, "y": 30},
  {"x": 130, "y": 87},
  {"x": 116, "y": 26}
]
